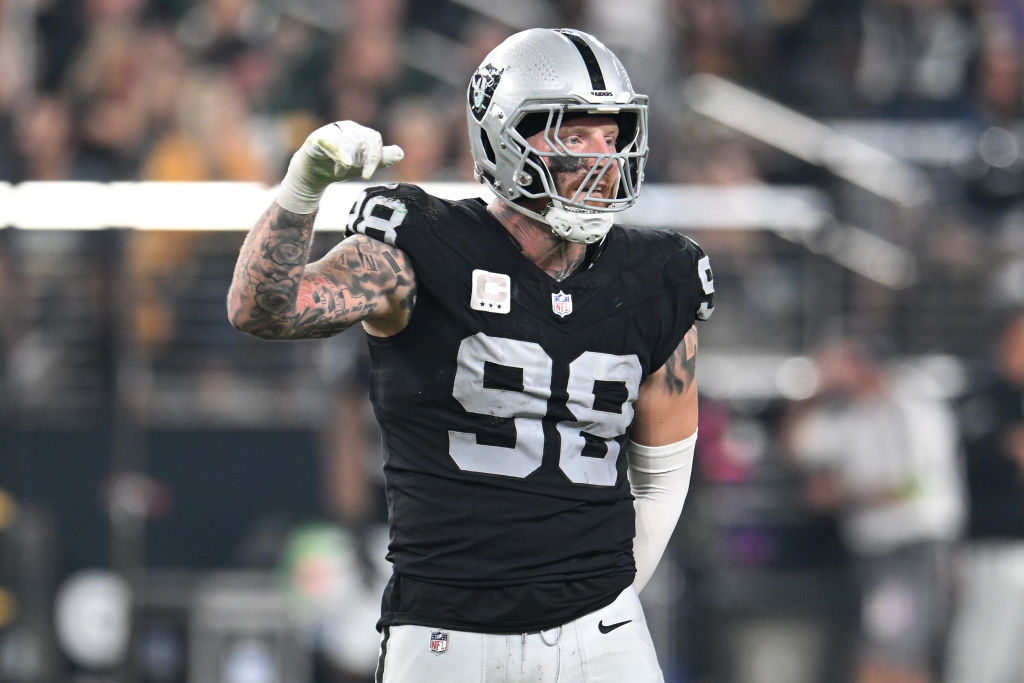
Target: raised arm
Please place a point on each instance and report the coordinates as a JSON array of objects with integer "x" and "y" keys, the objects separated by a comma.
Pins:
[
  {"x": 276, "y": 293},
  {"x": 660, "y": 452}
]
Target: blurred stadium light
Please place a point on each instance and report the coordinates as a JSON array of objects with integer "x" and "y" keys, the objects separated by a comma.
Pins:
[
  {"x": 796, "y": 212},
  {"x": 75, "y": 205}
]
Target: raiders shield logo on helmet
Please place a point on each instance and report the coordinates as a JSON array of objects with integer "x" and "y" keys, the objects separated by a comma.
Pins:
[{"x": 481, "y": 89}]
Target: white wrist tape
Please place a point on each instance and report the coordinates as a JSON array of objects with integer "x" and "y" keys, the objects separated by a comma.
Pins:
[
  {"x": 332, "y": 153},
  {"x": 659, "y": 478},
  {"x": 298, "y": 194}
]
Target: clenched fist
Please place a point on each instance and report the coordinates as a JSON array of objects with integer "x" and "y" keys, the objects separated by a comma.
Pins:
[{"x": 331, "y": 153}]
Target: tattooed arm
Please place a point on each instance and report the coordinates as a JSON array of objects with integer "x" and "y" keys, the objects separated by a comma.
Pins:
[
  {"x": 276, "y": 294},
  {"x": 666, "y": 409}
]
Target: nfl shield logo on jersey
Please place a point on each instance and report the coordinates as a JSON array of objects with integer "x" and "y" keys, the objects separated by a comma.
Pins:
[
  {"x": 561, "y": 304},
  {"x": 438, "y": 642}
]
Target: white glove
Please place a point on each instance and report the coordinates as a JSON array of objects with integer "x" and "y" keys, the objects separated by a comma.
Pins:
[{"x": 331, "y": 153}]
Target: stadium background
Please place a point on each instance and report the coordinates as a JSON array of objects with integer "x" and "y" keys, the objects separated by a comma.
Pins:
[{"x": 852, "y": 166}]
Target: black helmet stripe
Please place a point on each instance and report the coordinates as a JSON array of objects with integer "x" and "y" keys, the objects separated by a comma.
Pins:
[{"x": 589, "y": 58}]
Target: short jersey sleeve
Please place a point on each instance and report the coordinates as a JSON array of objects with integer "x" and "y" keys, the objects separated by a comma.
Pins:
[
  {"x": 702, "y": 280},
  {"x": 389, "y": 212},
  {"x": 687, "y": 280}
]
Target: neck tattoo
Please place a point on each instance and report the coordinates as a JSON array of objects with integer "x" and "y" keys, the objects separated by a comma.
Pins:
[{"x": 556, "y": 257}]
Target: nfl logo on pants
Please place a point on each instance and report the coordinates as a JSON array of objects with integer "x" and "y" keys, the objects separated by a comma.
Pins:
[{"x": 438, "y": 642}]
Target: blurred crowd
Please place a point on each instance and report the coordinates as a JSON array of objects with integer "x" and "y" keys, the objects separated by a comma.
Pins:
[
  {"x": 108, "y": 90},
  {"x": 224, "y": 89},
  {"x": 920, "y": 468}
]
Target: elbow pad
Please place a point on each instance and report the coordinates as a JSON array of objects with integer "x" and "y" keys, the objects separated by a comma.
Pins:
[{"x": 659, "y": 478}]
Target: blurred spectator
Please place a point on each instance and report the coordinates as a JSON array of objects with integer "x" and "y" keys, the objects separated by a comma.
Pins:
[
  {"x": 366, "y": 67},
  {"x": 43, "y": 148},
  {"x": 364, "y": 72},
  {"x": 422, "y": 127},
  {"x": 217, "y": 31},
  {"x": 994, "y": 176},
  {"x": 163, "y": 72},
  {"x": 294, "y": 61},
  {"x": 885, "y": 459},
  {"x": 103, "y": 87},
  {"x": 988, "y": 628},
  {"x": 17, "y": 54},
  {"x": 999, "y": 87},
  {"x": 214, "y": 138},
  {"x": 711, "y": 32},
  {"x": 915, "y": 56},
  {"x": 17, "y": 63}
]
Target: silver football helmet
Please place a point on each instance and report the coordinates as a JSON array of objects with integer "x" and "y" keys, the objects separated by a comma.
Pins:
[{"x": 535, "y": 81}]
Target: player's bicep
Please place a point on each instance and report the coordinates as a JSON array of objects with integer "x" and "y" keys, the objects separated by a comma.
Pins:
[
  {"x": 666, "y": 408},
  {"x": 359, "y": 280}
]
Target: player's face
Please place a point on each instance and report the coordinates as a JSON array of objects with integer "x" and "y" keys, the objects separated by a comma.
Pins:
[{"x": 575, "y": 176}]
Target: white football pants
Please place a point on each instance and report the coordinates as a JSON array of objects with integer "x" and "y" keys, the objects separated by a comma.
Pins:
[{"x": 610, "y": 645}]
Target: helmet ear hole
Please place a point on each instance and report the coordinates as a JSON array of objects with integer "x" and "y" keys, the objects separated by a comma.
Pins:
[
  {"x": 535, "y": 186},
  {"x": 486, "y": 144}
]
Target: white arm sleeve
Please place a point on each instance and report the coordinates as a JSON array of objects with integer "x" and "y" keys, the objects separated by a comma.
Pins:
[{"x": 659, "y": 477}]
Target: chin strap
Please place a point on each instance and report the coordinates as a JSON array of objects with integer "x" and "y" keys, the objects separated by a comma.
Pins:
[{"x": 586, "y": 227}]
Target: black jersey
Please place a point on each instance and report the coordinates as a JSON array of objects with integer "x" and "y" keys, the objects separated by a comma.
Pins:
[{"x": 504, "y": 405}]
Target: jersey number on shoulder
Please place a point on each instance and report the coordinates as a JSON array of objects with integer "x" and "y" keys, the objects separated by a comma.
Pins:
[
  {"x": 509, "y": 379},
  {"x": 707, "y": 280},
  {"x": 376, "y": 215},
  {"x": 707, "y": 283}
]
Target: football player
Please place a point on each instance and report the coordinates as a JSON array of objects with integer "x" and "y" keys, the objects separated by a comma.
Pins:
[{"x": 533, "y": 368}]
